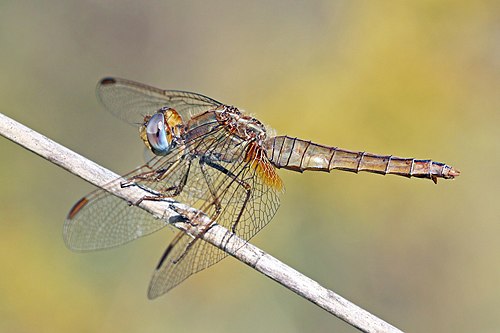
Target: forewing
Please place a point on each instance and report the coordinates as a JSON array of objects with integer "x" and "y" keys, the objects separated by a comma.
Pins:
[
  {"x": 101, "y": 220},
  {"x": 132, "y": 101},
  {"x": 104, "y": 220}
]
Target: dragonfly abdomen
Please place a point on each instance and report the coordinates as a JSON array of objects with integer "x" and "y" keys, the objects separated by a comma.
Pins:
[{"x": 300, "y": 155}]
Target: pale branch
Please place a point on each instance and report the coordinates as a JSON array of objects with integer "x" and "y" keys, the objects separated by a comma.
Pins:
[{"x": 217, "y": 235}]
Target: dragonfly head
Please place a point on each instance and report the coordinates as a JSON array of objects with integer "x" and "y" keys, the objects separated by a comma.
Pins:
[{"x": 161, "y": 131}]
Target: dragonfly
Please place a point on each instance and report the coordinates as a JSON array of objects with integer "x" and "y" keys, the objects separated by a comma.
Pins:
[{"x": 215, "y": 158}]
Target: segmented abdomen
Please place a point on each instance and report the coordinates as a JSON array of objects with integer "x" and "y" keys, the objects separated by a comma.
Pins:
[{"x": 299, "y": 155}]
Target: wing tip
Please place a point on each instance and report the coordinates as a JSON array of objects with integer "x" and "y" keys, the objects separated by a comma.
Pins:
[{"x": 107, "y": 81}]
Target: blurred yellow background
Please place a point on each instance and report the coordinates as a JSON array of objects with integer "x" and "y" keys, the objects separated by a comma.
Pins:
[{"x": 414, "y": 79}]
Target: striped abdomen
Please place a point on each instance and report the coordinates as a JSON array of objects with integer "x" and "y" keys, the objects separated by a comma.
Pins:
[{"x": 299, "y": 155}]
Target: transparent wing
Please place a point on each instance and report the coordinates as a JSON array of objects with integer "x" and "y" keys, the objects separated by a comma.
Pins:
[
  {"x": 101, "y": 220},
  {"x": 234, "y": 194},
  {"x": 231, "y": 190},
  {"x": 131, "y": 101},
  {"x": 170, "y": 273},
  {"x": 213, "y": 173}
]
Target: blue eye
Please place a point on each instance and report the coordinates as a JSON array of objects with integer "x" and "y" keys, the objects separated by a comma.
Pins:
[{"x": 158, "y": 137}]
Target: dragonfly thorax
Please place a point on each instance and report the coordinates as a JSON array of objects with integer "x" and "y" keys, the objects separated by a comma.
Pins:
[{"x": 241, "y": 125}]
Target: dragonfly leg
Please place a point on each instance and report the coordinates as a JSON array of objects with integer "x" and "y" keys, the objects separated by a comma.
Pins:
[
  {"x": 142, "y": 187},
  {"x": 179, "y": 187},
  {"x": 157, "y": 176},
  {"x": 216, "y": 201},
  {"x": 188, "y": 247},
  {"x": 235, "y": 178}
]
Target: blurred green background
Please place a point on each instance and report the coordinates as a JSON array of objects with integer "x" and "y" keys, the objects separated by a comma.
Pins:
[{"x": 414, "y": 79}]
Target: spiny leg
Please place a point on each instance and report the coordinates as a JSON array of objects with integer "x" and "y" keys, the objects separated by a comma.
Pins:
[
  {"x": 213, "y": 192},
  {"x": 164, "y": 194},
  {"x": 235, "y": 178},
  {"x": 215, "y": 202}
]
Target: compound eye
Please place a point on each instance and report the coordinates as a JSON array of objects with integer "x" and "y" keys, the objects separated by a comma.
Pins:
[{"x": 157, "y": 134}]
